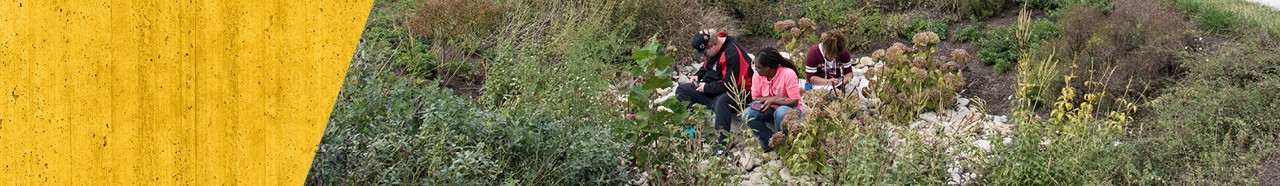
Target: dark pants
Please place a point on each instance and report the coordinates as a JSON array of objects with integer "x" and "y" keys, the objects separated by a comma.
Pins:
[{"x": 722, "y": 105}]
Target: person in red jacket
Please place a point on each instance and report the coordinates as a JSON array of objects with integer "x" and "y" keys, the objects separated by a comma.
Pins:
[
  {"x": 724, "y": 75},
  {"x": 828, "y": 62}
]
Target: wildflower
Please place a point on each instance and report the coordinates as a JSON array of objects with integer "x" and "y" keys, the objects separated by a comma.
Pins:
[
  {"x": 631, "y": 116},
  {"x": 795, "y": 32},
  {"x": 782, "y": 26}
]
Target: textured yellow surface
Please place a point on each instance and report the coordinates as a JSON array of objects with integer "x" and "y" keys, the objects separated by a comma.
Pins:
[{"x": 185, "y": 92}]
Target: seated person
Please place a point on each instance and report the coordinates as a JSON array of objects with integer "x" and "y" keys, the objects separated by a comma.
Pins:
[
  {"x": 828, "y": 62},
  {"x": 776, "y": 90},
  {"x": 725, "y": 74}
]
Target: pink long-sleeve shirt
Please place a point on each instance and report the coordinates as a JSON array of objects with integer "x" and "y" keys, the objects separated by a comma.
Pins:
[{"x": 784, "y": 83}]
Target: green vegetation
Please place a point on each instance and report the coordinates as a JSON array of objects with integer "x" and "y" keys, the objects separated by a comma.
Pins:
[
  {"x": 1000, "y": 45},
  {"x": 537, "y": 92},
  {"x": 1231, "y": 16}
]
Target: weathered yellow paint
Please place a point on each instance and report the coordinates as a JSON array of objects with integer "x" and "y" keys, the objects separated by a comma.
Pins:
[{"x": 186, "y": 92}]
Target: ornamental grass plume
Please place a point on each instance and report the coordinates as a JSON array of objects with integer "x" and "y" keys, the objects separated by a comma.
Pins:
[{"x": 783, "y": 26}]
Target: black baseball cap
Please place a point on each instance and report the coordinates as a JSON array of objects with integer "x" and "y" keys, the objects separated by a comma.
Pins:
[{"x": 700, "y": 43}]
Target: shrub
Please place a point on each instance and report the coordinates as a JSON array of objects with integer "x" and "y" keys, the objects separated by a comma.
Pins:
[
  {"x": 449, "y": 19},
  {"x": 756, "y": 15},
  {"x": 979, "y": 10},
  {"x": 674, "y": 21},
  {"x": 1001, "y": 48},
  {"x": 970, "y": 32},
  {"x": 832, "y": 12},
  {"x": 913, "y": 82},
  {"x": 1136, "y": 44},
  {"x": 923, "y": 24}
]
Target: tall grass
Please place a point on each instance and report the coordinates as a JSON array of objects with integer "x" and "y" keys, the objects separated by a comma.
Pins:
[{"x": 1232, "y": 16}]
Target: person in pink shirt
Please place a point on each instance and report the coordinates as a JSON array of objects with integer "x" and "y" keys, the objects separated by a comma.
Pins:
[{"x": 776, "y": 90}]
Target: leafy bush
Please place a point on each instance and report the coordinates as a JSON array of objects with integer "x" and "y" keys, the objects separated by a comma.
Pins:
[
  {"x": 866, "y": 26},
  {"x": 979, "y": 10},
  {"x": 831, "y": 11},
  {"x": 923, "y": 24},
  {"x": 971, "y": 32},
  {"x": 1001, "y": 48},
  {"x": 386, "y": 129},
  {"x": 913, "y": 82}
]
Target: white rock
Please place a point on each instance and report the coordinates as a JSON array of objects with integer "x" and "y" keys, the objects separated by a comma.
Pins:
[
  {"x": 962, "y": 102},
  {"x": 775, "y": 164},
  {"x": 785, "y": 174},
  {"x": 983, "y": 144}
]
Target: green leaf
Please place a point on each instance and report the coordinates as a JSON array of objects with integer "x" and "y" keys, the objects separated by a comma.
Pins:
[
  {"x": 650, "y": 84},
  {"x": 639, "y": 55}
]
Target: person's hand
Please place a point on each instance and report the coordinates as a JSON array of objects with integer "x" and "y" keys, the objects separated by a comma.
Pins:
[
  {"x": 694, "y": 78},
  {"x": 700, "y": 85}
]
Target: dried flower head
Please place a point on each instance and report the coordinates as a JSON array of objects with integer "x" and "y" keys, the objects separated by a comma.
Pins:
[
  {"x": 783, "y": 26},
  {"x": 951, "y": 66},
  {"x": 808, "y": 23},
  {"x": 955, "y": 81},
  {"x": 895, "y": 52},
  {"x": 918, "y": 72},
  {"x": 795, "y": 32},
  {"x": 671, "y": 49},
  {"x": 878, "y": 54},
  {"x": 777, "y": 140},
  {"x": 961, "y": 56},
  {"x": 781, "y": 43},
  {"x": 791, "y": 120},
  {"x": 925, "y": 39},
  {"x": 919, "y": 62}
]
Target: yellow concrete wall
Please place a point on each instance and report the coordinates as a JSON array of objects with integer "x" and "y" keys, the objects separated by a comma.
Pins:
[{"x": 185, "y": 92}]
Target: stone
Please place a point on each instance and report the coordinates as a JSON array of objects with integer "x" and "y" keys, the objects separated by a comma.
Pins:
[
  {"x": 983, "y": 144},
  {"x": 785, "y": 174},
  {"x": 962, "y": 102}
]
